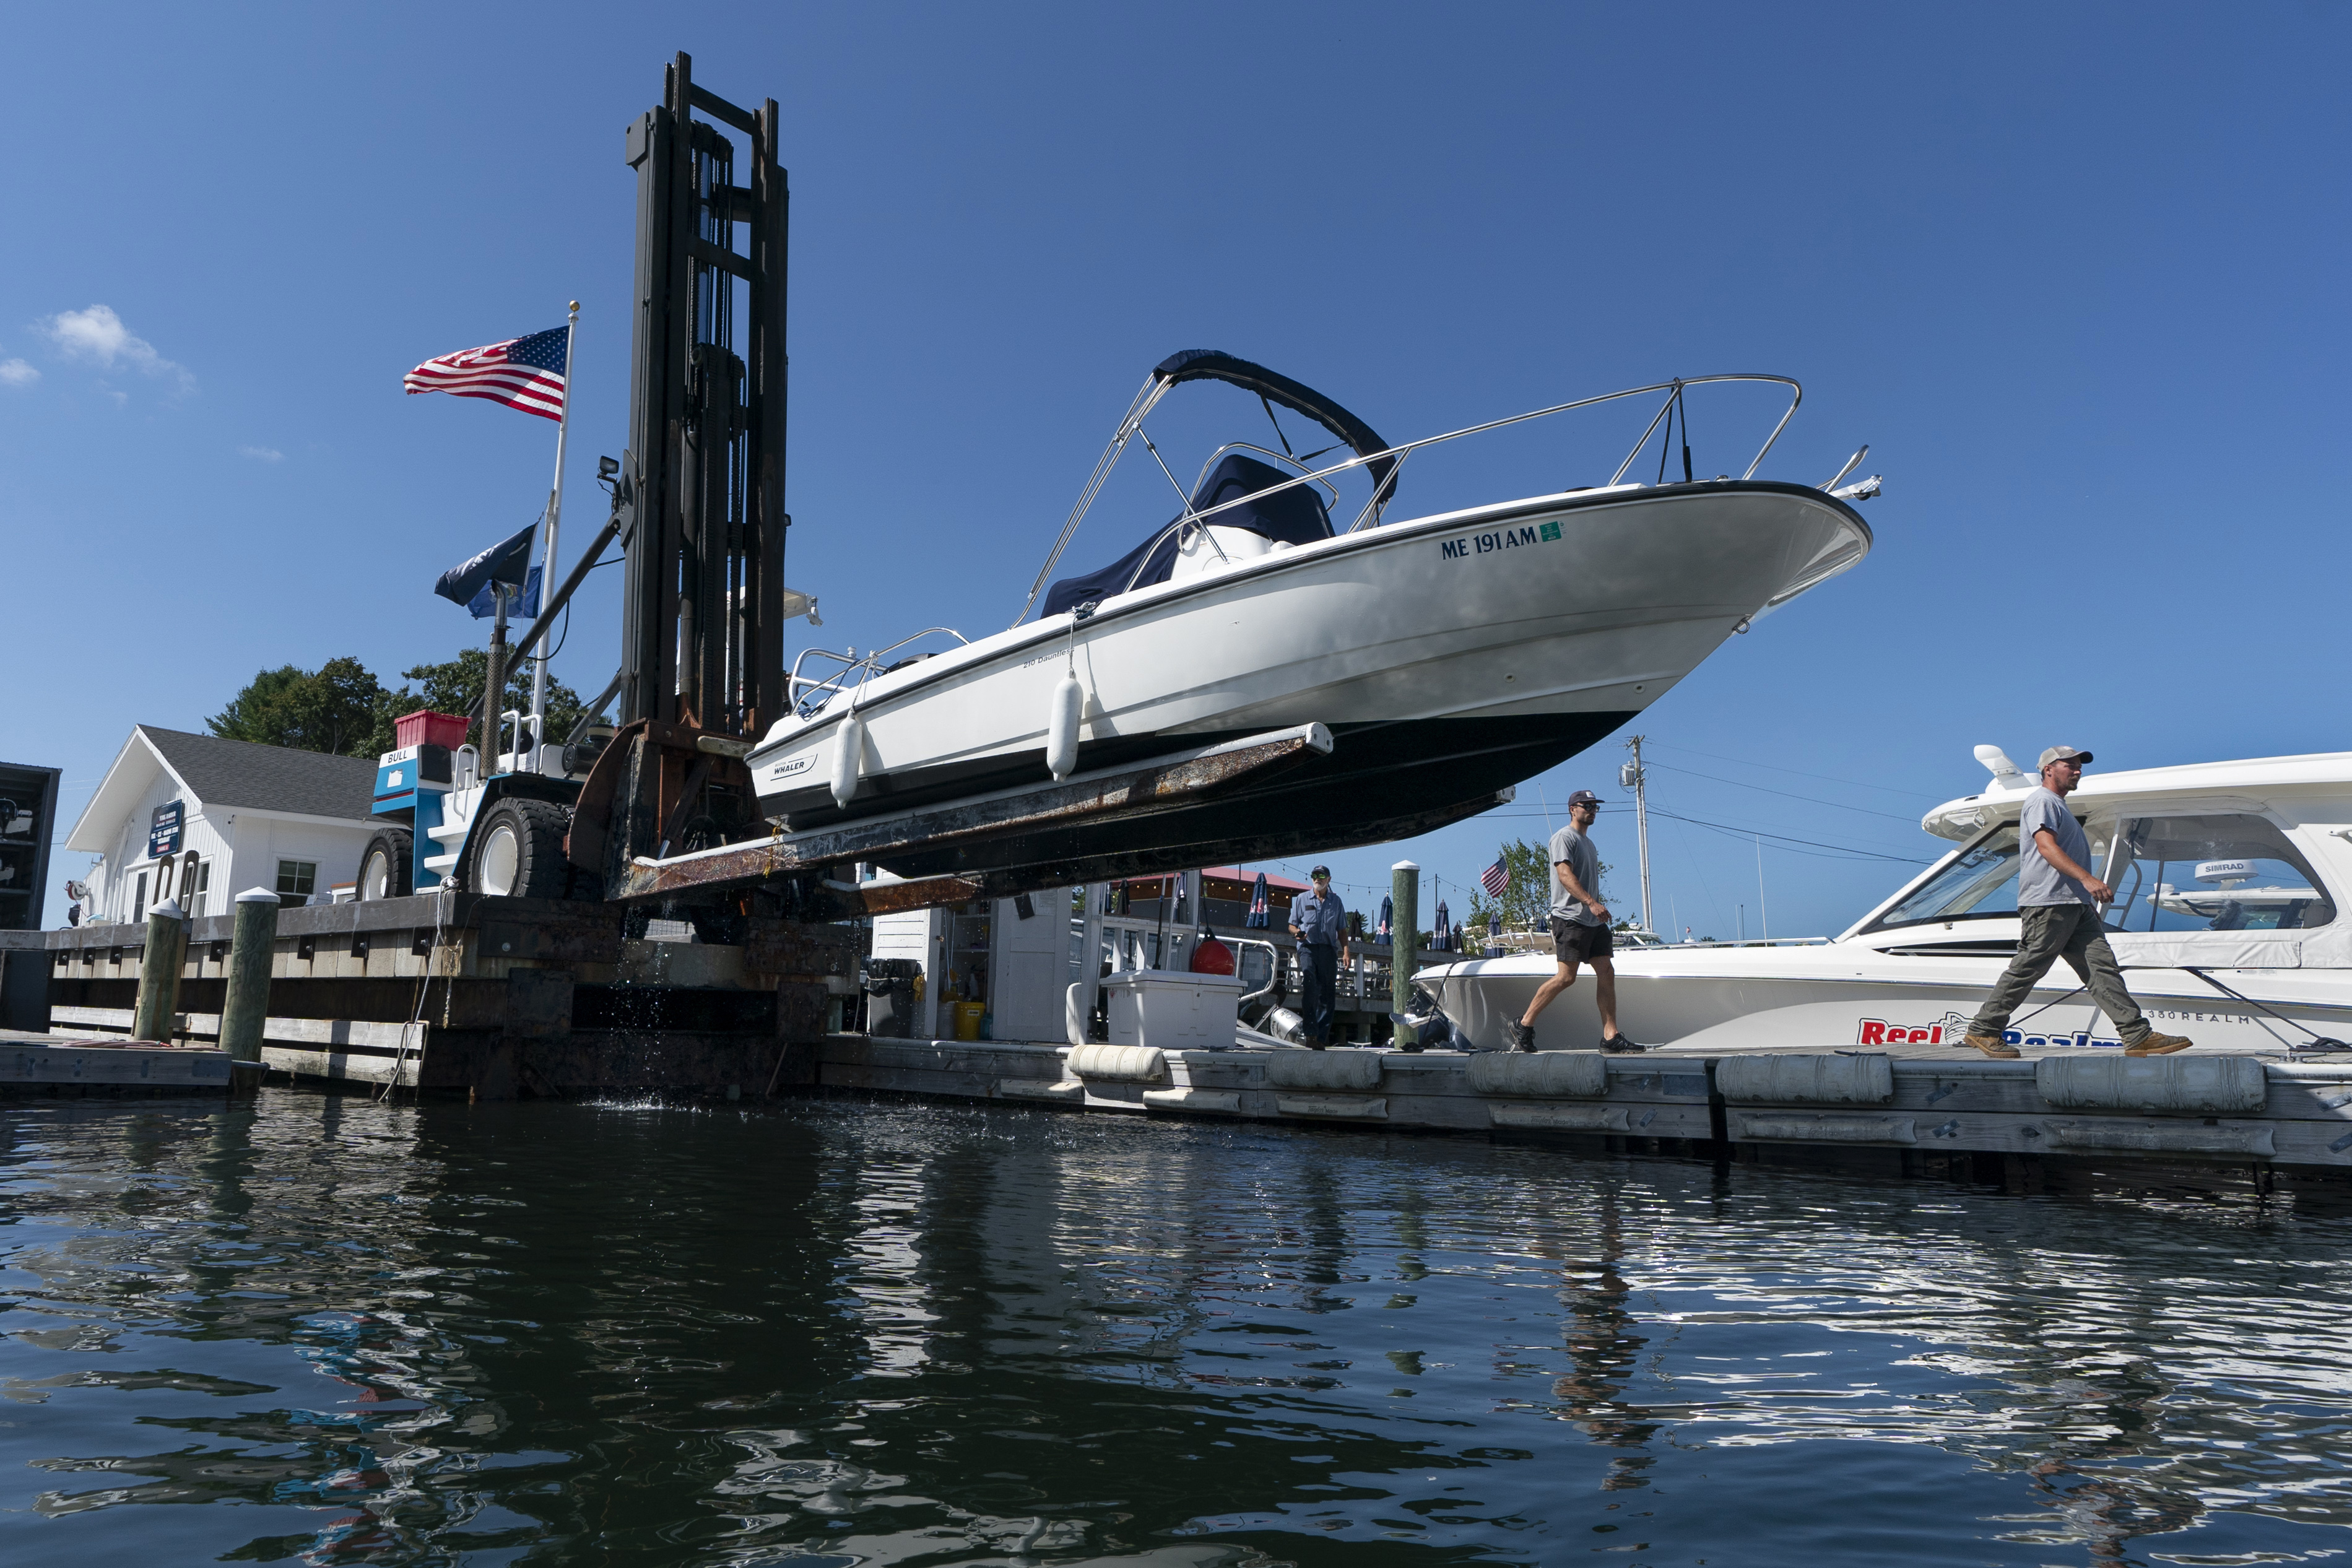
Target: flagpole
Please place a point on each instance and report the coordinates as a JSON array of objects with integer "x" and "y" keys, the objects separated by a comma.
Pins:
[{"x": 554, "y": 519}]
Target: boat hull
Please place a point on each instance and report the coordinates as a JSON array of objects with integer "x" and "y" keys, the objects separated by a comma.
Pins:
[
  {"x": 1846, "y": 997},
  {"x": 1450, "y": 658}
]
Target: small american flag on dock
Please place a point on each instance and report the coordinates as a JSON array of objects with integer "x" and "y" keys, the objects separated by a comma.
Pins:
[
  {"x": 526, "y": 374},
  {"x": 1495, "y": 878}
]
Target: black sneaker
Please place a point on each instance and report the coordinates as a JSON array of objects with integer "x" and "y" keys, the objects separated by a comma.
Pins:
[
  {"x": 1618, "y": 1045},
  {"x": 1522, "y": 1036}
]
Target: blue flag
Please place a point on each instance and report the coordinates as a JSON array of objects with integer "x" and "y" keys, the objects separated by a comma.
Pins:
[
  {"x": 508, "y": 562},
  {"x": 523, "y": 606}
]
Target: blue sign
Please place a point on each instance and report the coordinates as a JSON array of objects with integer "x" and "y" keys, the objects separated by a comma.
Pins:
[{"x": 163, "y": 830}]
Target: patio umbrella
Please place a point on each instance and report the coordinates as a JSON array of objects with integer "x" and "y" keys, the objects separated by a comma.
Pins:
[
  {"x": 1388, "y": 916},
  {"x": 1442, "y": 938},
  {"x": 1259, "y": 918}
]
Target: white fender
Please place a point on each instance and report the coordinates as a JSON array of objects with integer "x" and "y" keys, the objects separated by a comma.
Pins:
[
  {"x": 1062, "y": 727},
  {"x": 848, "y": 758}
]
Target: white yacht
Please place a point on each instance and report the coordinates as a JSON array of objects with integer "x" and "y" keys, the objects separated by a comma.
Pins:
[
  {"x": 2230, "y": 882},
  {"x": 1427, "y": 662}
]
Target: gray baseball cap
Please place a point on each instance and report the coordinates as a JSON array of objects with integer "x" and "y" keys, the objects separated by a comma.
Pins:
[{"x": 2062, "y": 754}]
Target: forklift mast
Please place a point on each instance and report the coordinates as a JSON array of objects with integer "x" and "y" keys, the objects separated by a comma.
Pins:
[{"x": 702, "y": 617}]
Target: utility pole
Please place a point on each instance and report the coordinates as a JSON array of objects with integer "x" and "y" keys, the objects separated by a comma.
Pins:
[{"x": 1634, "y": 777}]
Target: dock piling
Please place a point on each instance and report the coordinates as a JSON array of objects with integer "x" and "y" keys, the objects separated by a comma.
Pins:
[
  {"x": 251, "y": 942},
  {"x": 159, "y": 973},
  {"x": 1405, "y": 893}
]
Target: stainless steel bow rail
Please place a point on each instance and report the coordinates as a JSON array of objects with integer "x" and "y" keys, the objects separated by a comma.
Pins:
[{"x": 1131, "y": 428}]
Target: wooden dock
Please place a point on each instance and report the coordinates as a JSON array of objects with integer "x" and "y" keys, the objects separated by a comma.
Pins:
[
  {"x": 42, "y": 1066},
  {"x": 488, "y": 997}
]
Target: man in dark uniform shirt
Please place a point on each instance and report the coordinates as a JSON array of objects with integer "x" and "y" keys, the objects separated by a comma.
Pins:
[{"x": 1319, "y": 923}]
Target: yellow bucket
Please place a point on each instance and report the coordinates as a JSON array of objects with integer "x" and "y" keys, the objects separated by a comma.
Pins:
[{"x": 967, "y": 1019}]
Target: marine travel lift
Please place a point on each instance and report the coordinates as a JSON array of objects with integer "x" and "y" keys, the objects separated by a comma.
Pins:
[{"x": 661, "y": 806}]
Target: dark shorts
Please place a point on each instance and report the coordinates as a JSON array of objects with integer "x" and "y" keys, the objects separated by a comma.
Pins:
[{"x": 1573, "y": 943}]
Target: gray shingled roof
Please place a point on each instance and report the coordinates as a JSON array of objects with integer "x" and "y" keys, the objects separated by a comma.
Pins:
[{"x": 267, "y": 777}]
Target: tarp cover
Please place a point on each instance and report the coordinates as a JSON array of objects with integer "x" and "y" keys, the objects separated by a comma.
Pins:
[
  {"x": 1215, "y": 364},
  {"x": 1294, "y": 515}
]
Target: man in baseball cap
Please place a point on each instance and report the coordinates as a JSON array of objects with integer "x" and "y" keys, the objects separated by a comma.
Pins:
[
  {"x": 1579, "y": 929},
  {"x": 1318, "y": 923},
  {"x": 2058, "y": 903}
]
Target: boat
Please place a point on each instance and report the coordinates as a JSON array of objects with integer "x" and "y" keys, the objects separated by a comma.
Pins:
[
  {"x": 1419, "y": 665},
  {"x": 2230, "y": 877}
]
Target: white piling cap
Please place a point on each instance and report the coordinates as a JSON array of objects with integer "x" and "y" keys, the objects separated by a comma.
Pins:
[
  {"x": 1404, "y": 865},
  {"x": 169, "y": 909},
  {"x": 257, "y": 895}
]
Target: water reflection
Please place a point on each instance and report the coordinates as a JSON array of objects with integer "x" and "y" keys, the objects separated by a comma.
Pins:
[{"x": 321, "y": 1329}]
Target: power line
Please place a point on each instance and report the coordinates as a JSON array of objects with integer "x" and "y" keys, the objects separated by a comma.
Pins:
[
  {"x": 1825, "y": 777},
  {"x": 1839, "y": 851},
  {"x": 1737, "y": 784}
]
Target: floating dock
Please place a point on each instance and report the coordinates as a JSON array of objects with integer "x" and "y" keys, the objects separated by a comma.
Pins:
[
  {"x": 1998, "y": 1121},
  {"x": 499, "y": 998}
]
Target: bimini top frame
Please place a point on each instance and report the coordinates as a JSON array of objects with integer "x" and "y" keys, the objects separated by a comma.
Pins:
[{"x": 1382, "y": 462}]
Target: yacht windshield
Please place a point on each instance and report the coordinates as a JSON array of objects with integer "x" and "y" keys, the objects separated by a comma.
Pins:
[{"x": 1981, "y": 884}]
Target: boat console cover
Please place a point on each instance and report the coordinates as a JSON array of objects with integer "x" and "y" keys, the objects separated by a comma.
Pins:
[{"x": 1294, "y": 515}]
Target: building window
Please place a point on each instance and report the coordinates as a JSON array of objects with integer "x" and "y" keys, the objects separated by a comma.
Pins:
[
  {"x": 194, "y": 882},
  {"x": 138, "y": 901},
  {"x": 296, "y": 879}
]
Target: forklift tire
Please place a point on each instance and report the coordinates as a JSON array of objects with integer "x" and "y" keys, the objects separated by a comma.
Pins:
[
  {"x": 384, "y": 866},
  {"x": 519, "y": 851}
]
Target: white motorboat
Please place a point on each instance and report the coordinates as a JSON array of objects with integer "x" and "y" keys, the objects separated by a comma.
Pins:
[
  {"x": 1430, "y": 660},
  {"x": 2230, "y": 879}
]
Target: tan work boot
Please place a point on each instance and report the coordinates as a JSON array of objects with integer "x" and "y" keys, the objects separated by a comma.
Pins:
[
  {"x": 2156, "y": 1045},
  {"x": 1991, "y": 1045}
]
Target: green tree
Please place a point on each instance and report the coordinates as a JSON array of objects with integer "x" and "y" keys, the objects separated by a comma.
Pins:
[
  {"x": 455, "y": 684},
  {"x": 341, "y": 708},
  {"x": 332, "y": 708}
]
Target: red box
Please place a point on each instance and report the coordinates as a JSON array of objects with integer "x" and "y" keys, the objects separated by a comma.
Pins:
[{"x": 425, "y": 728}]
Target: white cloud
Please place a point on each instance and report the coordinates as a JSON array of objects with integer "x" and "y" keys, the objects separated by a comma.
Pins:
[
  {"x": 99, "y": 336},
  {"x": 262, "y": 454},
  {"x": 18, "y": 374}
]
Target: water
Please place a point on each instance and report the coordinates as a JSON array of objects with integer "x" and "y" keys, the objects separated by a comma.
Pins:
[{"x": 316, "y": 1329}]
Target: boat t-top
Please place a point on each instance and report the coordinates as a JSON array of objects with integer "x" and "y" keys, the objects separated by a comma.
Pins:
[
  {"x": 1315, "y": 671},
  {"x": 2230, "y": 878}
]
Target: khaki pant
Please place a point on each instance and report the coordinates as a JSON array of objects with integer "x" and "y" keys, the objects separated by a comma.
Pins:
[{"x": 2071, "y": 932}]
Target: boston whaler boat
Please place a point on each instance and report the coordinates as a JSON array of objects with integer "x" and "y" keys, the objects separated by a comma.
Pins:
[
  {"x": 2230, "y": 878},
  {"x": 1414, "y": 669}
]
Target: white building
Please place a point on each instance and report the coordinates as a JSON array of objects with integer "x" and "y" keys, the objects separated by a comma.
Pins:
[{"x": 200, "y": 818}]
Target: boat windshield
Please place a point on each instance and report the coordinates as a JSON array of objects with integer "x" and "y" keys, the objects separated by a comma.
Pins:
[
  {"x": 1980, "y": 884},
  {"x": 2227, "y": 871},
  {"x": 2222, "y": 871}
]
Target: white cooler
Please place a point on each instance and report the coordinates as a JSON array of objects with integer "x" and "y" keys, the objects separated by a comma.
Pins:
[{"x": 1173, "y": 1009}]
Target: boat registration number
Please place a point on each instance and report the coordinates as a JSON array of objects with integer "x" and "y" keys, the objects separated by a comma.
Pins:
[{"x": 1464, "y": 547}]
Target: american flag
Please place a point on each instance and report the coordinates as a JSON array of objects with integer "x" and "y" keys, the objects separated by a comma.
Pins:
[
  {"x": 527, "y": 373},
  {"x": 1495, "y": 878}
]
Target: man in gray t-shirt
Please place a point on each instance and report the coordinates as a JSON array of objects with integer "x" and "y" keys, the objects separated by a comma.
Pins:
[
  {"x": 2058, "y": 903},
  {"x": 1579, "y": 929}
]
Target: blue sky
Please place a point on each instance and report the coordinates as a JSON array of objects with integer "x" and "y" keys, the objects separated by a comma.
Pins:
[{"x": 2075, "y": 273}]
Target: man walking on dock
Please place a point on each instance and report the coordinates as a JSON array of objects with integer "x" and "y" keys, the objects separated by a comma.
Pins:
[
  {"x": 1579, "y": 928},
  {"x": 1319, "y": 923},
  {"x": 2058, "y": 904}
]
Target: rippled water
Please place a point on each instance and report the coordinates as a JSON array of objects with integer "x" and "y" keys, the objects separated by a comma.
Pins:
[{"x": 319, "y": 1330}]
